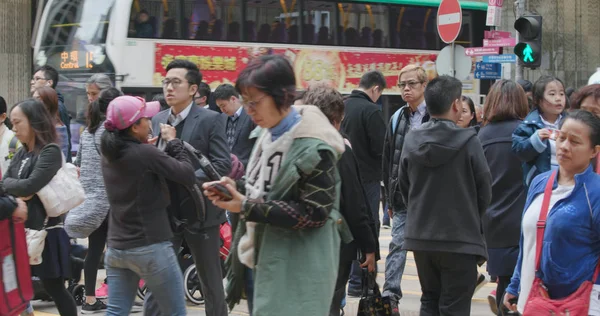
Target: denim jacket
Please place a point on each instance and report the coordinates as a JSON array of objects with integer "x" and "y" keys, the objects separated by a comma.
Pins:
[
  {"x": 531, "y": 150},
  {"x": 571, "y": 247}
]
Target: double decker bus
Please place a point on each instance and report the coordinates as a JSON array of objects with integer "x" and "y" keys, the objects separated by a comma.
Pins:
[{"x": 335, "y": 42}]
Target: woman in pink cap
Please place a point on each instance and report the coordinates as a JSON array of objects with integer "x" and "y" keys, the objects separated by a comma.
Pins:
[{"x": 139, "y": 232}]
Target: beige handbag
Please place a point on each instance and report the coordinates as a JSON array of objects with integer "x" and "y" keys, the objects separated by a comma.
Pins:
[
  {"x": 63, "y": 193},
  {"x": 36, "y": 241}
]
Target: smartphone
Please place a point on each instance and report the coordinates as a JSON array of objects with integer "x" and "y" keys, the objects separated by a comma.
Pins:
[{"x": 221, "y": 191}]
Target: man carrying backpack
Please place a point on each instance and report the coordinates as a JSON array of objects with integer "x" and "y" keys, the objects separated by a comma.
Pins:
[{"x": 412, "y": 82}]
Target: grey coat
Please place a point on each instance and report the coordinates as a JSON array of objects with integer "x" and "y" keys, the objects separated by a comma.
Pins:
[{"x": 87, "y": 217}]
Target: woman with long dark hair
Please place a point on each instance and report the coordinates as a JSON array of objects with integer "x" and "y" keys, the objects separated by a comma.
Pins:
[
  {"x": 468, "y": 118},
  {"x": 139, "y": 236},
  {"x": 31, "y": 169},
  {"x": 89, "y": 220}
]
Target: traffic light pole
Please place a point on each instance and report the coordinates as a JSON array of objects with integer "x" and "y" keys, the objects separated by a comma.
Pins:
[{"x": 520, "y": 10}]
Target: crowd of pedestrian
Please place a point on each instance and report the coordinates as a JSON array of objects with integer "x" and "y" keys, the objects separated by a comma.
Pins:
[{"x": 512, "y": 183}]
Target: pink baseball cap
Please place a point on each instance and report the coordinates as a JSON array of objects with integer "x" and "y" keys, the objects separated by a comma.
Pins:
[{"x": 125, "y": 110}]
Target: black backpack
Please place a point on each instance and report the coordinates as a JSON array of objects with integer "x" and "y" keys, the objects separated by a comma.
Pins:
[{"x": 188, "y": 204}]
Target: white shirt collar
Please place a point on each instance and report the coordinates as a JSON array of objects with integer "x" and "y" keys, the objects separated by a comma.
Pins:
[
  {"x": 239, "y": 111},
  {"x": 176, "y": 119}
]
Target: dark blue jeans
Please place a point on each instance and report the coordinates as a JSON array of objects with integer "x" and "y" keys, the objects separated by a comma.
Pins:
[{"x": 373, "y": 193}]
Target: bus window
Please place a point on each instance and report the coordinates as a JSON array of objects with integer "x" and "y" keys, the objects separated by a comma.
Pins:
[
  {"x": 319, "y": 22},
  {"x": 154, "y": 19},
  {"x": 272, "y": 21},
  {"x": 363, "y": 24},
  {"x": 212, "y": 20}
]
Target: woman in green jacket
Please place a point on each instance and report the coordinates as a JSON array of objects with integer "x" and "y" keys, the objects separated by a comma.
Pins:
[{"x": 290, "y": 228}]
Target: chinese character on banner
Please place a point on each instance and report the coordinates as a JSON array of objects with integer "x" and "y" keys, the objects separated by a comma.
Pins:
[
  {"x": 205, "y": 63},
  {"x": 230, "y": 63},
  {"x": 194, "y": 59},
  {"x": 64, "y": 56},
  {"x": 218, "y": 63}
]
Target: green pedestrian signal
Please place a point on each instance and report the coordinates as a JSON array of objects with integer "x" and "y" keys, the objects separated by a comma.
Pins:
[
  {"x": 528, "y": 50},
  {"x": 528, "y": 54}
]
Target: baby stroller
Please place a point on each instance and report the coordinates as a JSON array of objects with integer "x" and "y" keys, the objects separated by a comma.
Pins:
[
  {"x": 77, "y": 258},
  {"x": 191, "y": 282}
]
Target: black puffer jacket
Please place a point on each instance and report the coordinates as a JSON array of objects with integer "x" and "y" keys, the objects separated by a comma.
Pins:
[{"x": 392, "y": 150}]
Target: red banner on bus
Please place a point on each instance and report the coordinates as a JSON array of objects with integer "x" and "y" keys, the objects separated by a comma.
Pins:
[{"x": 340, "y": 69}]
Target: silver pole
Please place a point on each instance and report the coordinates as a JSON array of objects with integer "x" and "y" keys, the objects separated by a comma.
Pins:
[
  {"x": 452, "y": 62},
  {"x": 520, "y": 6}
]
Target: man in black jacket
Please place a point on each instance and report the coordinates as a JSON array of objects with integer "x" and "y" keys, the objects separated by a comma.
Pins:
[
  {"x": 446, "y": 183},
  {"x": 364, "y": 126},
  {"x": 412, "y": 81},
  {"x": 205, "y": 131}
]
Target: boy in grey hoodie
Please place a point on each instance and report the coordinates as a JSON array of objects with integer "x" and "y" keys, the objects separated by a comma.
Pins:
[{"x": 445, "y": 182}]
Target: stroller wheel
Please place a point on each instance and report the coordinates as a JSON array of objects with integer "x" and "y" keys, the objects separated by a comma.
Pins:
[
  {"x": 141, "y": 292},
  {"x": 78, "y": 293},
  {"x": 191, "y": 283}
]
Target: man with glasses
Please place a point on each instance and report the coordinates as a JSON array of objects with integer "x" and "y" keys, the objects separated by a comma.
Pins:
[
  {"x": 205, "y": 131},
  {"x": 364, "y": 125},
  {"x": 412, "y": 82},
  {"x": 48, "y": 76}
]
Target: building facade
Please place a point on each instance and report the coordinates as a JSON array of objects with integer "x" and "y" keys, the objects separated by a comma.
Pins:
[
  {"x": 15, "y": 49},
  {"x": 571, "y": 38}
]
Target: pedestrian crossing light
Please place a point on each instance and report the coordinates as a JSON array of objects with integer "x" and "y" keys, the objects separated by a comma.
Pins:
[{"x": 528, "y": 50}]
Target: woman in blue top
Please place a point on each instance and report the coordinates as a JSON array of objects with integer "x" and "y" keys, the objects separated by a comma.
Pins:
[
  {"x": 534, "y": 139},
  {"x": 571, "y": 248}
]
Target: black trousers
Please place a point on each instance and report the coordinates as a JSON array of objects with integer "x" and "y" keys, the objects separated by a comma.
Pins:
[
  {"x": 204, "y": 247},
  {"x": 503, "y": 283},
  {"x": 96, "y": 243},
  {"x": 448, "y": 282}
]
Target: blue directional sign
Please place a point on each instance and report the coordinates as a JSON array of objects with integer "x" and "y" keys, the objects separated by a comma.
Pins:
[
  {"x": 506, "y": 58},
  {"x": 488, "y": 70}
]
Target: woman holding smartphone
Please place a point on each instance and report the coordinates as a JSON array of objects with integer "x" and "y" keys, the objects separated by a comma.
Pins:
[{"x": 289, "y": 225}]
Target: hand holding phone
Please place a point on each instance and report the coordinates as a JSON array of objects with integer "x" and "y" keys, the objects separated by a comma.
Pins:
[{"x": 221, "y": 191}]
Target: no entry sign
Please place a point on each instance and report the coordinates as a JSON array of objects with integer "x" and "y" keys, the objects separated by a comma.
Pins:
[{"x": 449, "y": 20}]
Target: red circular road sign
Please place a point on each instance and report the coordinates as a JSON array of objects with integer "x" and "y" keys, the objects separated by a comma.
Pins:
[{"x": 449, "y": 20}]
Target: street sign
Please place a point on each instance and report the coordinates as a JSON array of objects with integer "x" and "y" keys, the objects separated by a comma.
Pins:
[
  {"x": 505, "y": 58},
  {"x": 481, "y": 66},
  {"x": 500, "y": 42},
  {"x": 496, "y": 34},
  {"x": 494, "y": 13},
  {"x": 488, "y": 71},
  {"x": 460, "y": 68},
  {"x": 482, "y": 51},
  {"x": 449, "y": 20}
]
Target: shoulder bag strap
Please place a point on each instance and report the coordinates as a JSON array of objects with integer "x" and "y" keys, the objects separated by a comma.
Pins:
[{"x": 541, "y": 223}]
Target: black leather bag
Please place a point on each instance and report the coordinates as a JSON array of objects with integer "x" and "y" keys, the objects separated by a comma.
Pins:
[{"x": 371, "y": 302}]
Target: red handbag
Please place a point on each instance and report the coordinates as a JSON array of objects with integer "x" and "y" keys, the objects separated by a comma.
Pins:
[
  {"x": 539, "y": 302},
  {"x": 16, "y": 288}
]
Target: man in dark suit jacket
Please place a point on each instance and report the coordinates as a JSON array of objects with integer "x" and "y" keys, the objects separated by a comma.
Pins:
[
  {"x": 238, "y": 124},
  {"x": 205, "y": 131}
]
